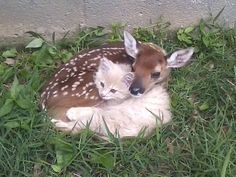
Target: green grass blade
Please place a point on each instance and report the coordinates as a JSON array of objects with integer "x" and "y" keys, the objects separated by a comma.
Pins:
[{"x": 226, "y": 162}]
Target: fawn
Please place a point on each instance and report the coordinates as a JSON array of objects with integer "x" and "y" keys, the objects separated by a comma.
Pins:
[
  {"x": 125, "y": 119},
  {"x": 73, "y": 84}
]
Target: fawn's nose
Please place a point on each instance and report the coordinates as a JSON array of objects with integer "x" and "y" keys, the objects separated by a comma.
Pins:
[{"x": 136, "y": 89}]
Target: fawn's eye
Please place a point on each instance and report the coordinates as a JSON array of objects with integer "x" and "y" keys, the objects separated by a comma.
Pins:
[
  {"x": 113, "y": 91},
  {"x": 155, "y": 75},
  {"x": 102, "y": 84}
]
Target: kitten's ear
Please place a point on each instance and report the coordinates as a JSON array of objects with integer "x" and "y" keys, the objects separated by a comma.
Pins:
[
  {"x": 130, "y": 45},
  {"x": 128, "y": 79},
  {"x": 180, "y": 58},
  {"x": 105, "y": 65}
]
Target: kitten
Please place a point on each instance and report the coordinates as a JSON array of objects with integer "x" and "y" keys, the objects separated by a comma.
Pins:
[{"x": 113, "y": 80}]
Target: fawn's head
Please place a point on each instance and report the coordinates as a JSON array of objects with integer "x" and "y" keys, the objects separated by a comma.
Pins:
[{"x": 151, "y": 63}]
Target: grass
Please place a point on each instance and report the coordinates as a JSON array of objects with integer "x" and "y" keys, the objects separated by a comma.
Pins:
[{"x": 200, "y": 141}]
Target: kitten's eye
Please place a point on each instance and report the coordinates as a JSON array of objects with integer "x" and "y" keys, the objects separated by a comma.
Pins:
[
  {"x": 155, "y": 75},
  {"x": 113, "y": 91},
  {"x": 102, "y": 84}
]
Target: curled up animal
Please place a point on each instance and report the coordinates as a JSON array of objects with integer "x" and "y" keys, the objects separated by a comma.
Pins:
[{"x": 97, "y": 89}]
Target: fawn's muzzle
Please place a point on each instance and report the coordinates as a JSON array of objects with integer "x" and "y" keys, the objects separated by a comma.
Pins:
[{"x": 136, "y": 89}]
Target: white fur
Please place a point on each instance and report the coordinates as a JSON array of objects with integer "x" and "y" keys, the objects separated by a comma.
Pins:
[{"x": 127, "y": 118}]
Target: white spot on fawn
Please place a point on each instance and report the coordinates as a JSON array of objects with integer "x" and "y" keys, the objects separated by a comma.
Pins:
[
  {"x": 81, "y": 74},
  {"x": 63, "y": 88},
  {"x": 72, "y": 63},
  {"x": 43, "y": 94},
  {"x": 54, "y": 85},
  {"x": 65, "y": 93},
  {"x": 75, "y": 68}
]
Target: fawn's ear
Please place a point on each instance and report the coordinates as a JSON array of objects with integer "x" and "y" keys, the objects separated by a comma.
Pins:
[
  {"x": 180, "y": 58},
  {"x": 128, "y": 79},
  {"x": 105, "y": 65},
  {"x": 130, "y": 44}
]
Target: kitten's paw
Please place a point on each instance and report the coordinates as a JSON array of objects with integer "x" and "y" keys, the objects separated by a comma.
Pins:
[
  {"x": 59, "y": 123},
  {"x": 73, "y": 114},
  {"x": 78, "y": 113},
  {"x": 63, "y": 126}
]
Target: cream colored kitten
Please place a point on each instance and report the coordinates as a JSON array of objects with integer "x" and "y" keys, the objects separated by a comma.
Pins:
[{"x": 113, "y": 80}]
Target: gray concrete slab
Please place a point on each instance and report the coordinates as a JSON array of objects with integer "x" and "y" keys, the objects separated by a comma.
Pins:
[{"x": 48, "y": 16}]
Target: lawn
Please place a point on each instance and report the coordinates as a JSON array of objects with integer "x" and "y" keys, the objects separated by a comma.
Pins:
[{"x": 199, "y": 142}]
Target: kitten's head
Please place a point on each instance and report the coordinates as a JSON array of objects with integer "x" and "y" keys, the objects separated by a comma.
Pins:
[{"x": 113, "y": 80}]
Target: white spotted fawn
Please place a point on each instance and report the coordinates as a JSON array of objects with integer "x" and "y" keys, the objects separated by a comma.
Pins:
[{"x": 73, "y": 85}]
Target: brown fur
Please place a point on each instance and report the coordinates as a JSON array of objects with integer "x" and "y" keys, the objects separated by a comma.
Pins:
[{"x": 146, "y": 63}]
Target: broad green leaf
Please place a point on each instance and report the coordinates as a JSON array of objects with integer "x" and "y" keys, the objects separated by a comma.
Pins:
[
  {"x": 179, "y": 37},
  {"x": 60, "y": 157},
  {"x": 66, "y": 56},
  {"x": 188, "y": 40},
  {"x": 63, "y": 158},
  {"x": 204, "y": 107},
  {"x": 106, "y": 160},
  {"x": 185, "y": 38},
  {"x": 43, "y": 56},
  {"x": 23, "y": 103},
  {"x": 180, "y": 31},
  {"x": 6, "y": 108},
  {"x": 12, "y": 53},
  {"x": 174, "y": 101},
  {"x": 35, "y": 43},
  {"x": 15, "y": 89},
  {"x": 56, "y": 168},
  {"x": 24, "y": 125},
  {"x": 72, "y": 175},
  {"x": 8, "y": 73},
  {"x": 52, "y": 51},
  {"x": 188, "y": 29},
  {"x": 12, "y": 124}
]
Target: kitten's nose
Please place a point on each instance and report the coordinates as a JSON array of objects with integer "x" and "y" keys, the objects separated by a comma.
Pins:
[{"x": 102, "y": 94}]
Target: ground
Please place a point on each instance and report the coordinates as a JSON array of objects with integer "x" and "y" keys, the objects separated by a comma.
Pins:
[{"x": 200, "y": 141}]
